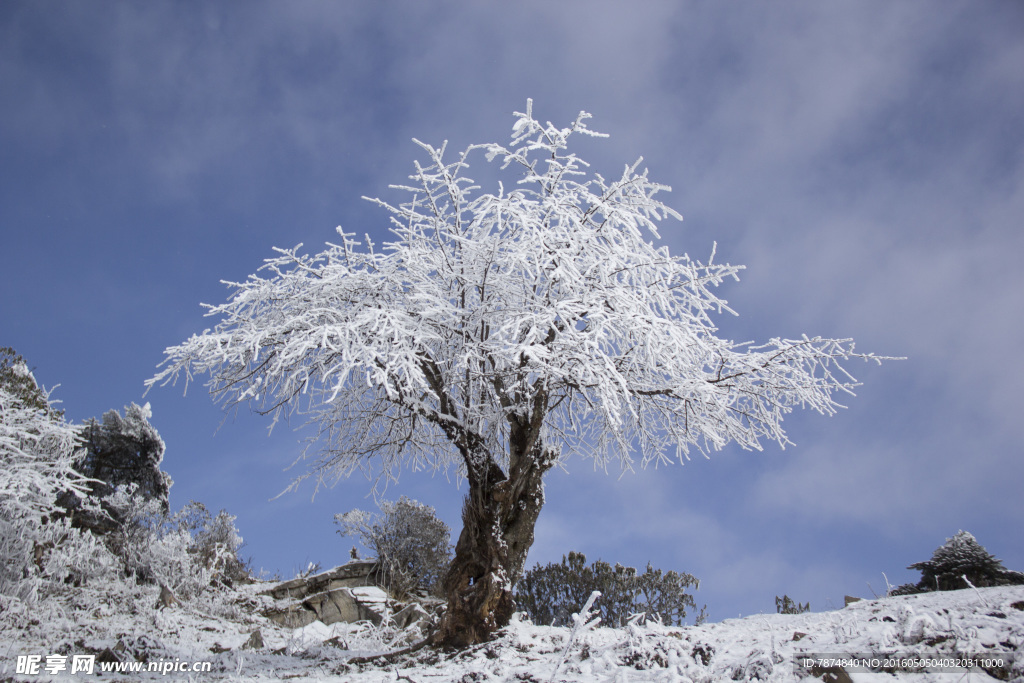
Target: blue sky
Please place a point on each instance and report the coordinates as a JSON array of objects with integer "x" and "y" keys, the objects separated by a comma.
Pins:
[{"x": 864, "y": 160}]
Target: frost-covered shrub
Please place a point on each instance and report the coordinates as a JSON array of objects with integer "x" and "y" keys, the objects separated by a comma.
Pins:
[
  {"x": 135, "y": 524},
  {"x": 960, "y": 557},
  {"x": 38, "y": 454},
  {"x": 413, "y": 546},
  {"x": 71, "y": 557},
  {"x": 60, "y": 529},
  {"x": 551, "y": 594},
  {"x": 186, "y": 552},
  {"x": 214, "y": 542}
]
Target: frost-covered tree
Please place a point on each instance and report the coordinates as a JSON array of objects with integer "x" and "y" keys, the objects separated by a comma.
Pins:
[
  {"x": 499, "y": 333},
  {"x": 120, "y": 452},
  {"x": 17, "y": 378},
  {"x": 411, "y": 543},
  {"x": 215, "y": 542}
]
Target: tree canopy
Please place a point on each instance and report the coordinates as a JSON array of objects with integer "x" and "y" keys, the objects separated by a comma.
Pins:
[{"x": 546, "y": 301}]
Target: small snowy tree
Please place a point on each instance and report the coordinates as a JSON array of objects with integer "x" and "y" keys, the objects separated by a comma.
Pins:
[
  {"x": 215, "y": 542},
  {"x": 412, "y": 545},
  {"x": 19, "y": 382},
  {"x": 960, "y": 562},
  {"x": 120, "y": 452},
  {"x": 499, "y": 334},
  {"x": 127, "y": 450}
]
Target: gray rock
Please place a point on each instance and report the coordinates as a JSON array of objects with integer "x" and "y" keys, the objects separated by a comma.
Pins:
[
  {"x": 166, "y": 598},
  {"x": 255, "y": 641},
  {"x": 291, "y": 617}
]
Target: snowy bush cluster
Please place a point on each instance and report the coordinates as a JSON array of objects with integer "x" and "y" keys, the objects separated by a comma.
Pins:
[
  {"x": 551, "y": 594},
  {"x": 412, "y": 545},
  {"x": 186, "y": 552},
  {"x": 88, "y": 504}
]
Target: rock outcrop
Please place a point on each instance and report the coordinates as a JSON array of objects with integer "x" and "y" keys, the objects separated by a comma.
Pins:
[{"x": 348, "y": 593}]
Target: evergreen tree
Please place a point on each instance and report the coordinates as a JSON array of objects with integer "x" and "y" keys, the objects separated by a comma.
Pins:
[
  {"x": 960, "y": 557},
  {"x": 120, "y": 451},
  {"x": 963, "y": 557}
]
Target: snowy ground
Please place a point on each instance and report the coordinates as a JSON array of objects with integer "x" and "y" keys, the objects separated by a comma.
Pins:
[{"x": 942, "y": 625}]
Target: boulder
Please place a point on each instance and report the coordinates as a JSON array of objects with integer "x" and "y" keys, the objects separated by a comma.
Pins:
[{"x": 255, "y": 641}]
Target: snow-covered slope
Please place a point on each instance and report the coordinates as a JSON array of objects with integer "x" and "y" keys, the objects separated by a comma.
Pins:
[{"x": 987, "y": 622}]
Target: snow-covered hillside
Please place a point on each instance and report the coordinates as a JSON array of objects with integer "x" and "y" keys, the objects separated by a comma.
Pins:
[{"x": 215, "y": 630}]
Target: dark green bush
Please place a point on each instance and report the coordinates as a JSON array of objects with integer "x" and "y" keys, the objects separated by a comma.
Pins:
[
  {"x": 785, "y": 605},
  {"x": 551, "y": 594}
]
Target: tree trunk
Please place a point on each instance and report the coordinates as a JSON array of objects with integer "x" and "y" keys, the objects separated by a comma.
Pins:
[{"x": 498, "y": 517}]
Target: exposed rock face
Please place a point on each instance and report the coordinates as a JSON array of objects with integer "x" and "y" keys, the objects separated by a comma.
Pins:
[
  {"x": 355, "y": 574},
  {"x": 347, "y": 593}
]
